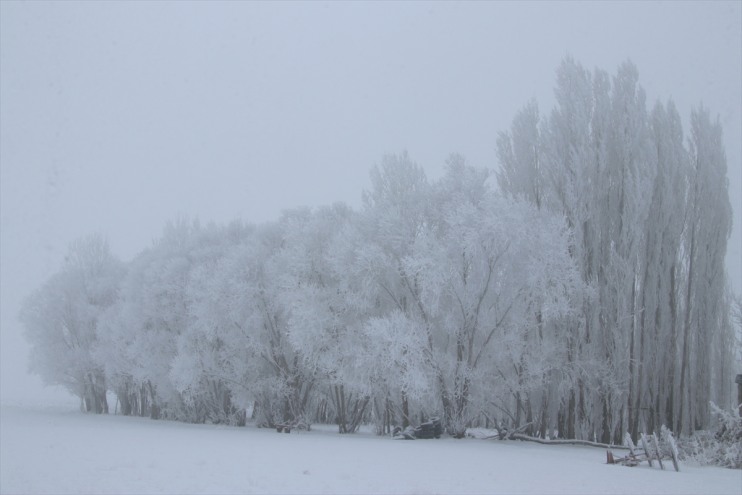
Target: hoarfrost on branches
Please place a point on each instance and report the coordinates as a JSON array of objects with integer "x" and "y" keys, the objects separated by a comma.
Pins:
[{"x": 583, "y": 296}]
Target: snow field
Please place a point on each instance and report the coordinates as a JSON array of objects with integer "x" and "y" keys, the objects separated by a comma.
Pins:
[{"x": 62, "y": 451}]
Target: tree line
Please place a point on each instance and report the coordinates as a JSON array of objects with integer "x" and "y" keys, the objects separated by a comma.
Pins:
[{"x": 579, "y": 291}]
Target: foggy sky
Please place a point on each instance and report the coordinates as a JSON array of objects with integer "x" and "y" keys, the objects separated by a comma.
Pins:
[{"x": 116, "y": 117}]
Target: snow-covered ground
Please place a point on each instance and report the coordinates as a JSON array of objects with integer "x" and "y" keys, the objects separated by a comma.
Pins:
[{"x": 58, "y": 450}]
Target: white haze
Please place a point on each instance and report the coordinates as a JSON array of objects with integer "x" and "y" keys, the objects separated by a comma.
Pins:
[{"x": 116, "y": 117}]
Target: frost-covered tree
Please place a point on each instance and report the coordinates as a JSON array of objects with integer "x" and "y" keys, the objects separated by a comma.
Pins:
[
  {"x": 61, "y": 321},
  {"x": 152, "y": 314},
  {"x": 395, "y": 216},
  {"x": 197, "y": 369},
  {"x": 330, "y": 314},
  {"x": 246, "y": 308},
  {"x": 468, "y": 267},
  {"x": 161, "y": 344},
  {"x": 149, "y": 329},
  {"x": 658, "y": 320},
  {"x": 518, "y": 152},
  {"x": 707, "y": 232},
  {"x": 505, "y": 278}
]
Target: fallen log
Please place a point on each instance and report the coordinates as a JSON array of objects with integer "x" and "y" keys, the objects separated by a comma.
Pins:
[
  {"x": 587, "y": 443},
  {"x": 506, "y": 434}
]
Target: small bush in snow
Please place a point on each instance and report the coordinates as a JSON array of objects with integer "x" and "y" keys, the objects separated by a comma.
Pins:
[{"x": 722, "y": 447}]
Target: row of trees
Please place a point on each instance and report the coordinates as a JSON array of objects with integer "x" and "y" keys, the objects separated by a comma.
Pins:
[
  {"x": 584, "y": 297},
  {"x": 651, "y": 219}
]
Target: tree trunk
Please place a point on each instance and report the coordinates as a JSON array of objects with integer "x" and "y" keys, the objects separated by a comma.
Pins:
[
  {"x": 684, "y": 364},
  {"x": 405, "y": 411}
]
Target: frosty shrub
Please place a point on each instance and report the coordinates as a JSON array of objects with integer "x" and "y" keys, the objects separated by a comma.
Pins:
[{"x": 720, "y": 448}]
